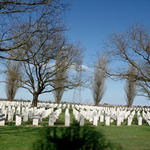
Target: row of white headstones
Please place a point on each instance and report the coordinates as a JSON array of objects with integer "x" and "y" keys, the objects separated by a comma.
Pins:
[
  {"x": 108, "y": 115},
  {"x": 22, "y": 111}
]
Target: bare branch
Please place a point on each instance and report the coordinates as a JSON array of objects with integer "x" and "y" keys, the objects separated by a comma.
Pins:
[{"x": 132, "y": 47}]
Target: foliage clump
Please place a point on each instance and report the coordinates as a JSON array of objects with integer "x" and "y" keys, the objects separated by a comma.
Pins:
[{"x": 73, "y": 138}]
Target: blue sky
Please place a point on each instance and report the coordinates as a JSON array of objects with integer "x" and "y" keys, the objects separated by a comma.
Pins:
[{"x": 92, "y": 22}]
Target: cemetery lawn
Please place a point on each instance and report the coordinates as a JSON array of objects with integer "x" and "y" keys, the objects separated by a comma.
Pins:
[{"x": 130, "y": 138}]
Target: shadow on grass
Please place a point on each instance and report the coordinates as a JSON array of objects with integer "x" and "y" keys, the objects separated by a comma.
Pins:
[{"x": 73, "y": 138}]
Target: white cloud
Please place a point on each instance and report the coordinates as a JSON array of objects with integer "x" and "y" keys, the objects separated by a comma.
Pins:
[
  {"x": 72, "y": 67},
  {"x": 85, "y": 68}
]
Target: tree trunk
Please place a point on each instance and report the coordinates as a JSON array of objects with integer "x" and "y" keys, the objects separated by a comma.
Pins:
[
  {"x": 96, "y": 103},
  {"x": 58, "y": 97},
  {"x": 130, "y": 102},
  {"x": 35, "y": 99},
  {"x": 11, "y": 95},
  {"x": 58, "y": 100}
]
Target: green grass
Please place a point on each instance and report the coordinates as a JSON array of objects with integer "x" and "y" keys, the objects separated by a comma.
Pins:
[
  {"x": 130, "y": 138},
  {"x": 61, "y": 120},
  {"x": 18, "y": 138}
]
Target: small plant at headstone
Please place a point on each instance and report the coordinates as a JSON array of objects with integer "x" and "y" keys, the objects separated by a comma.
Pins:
[
  {"x": 10, "y": 123},
  {"x": 135, "y": 121},
  {"x": 144, "y": 122}
]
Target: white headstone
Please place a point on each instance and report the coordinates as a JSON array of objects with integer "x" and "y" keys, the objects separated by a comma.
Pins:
[
  {"x": 67, "y": 118},
  {"x": 118, "y": 121},
  {"x": 18, "y": 120},
  {"x": 129, "y": 121},
  {"x": 95, "y": 120},
  {"x": 2, "y": 119},
  {"x": 107, "y": 120},
  {"x": 25, "y": 117},
  {"x": 81, "y": 120},
  {"x": 139, "y": 120},
  {"x": 51, "y": 120},
  {"x": 10, "y": 116},
  {"x": 101, "y": 118},
  {"x": 35, "y": 121}
]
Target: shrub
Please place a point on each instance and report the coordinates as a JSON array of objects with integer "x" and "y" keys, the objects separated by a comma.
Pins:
[{"x": 72, "y": 138}]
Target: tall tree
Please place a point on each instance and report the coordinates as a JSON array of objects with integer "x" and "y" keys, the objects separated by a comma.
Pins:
[
  {"x": 60, "y": 78},
  {"x": 132, "y": 47},
  {"x": 43, "y": 40},
  {"x": 38, "y": 38},
  {"x": 130, "y": 88},
  {"x": 99, "y": 79},
  {"x": 44, "y": 49},
  {"x": 13, "y": 77},
  {"x": 66, "y": 67}
]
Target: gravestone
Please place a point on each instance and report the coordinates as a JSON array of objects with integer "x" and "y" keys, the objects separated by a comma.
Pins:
[
  {"x": 18, "y": 120},
  {"x": 2, "y": 119},
  {"x": 107, "y": 120},
  {"x": 118, "y": 121},
  {"x": 51, "y": 120},
  {"x": 40, "y": 117},
  {"x": 5, "y": 112},
  {"x": 101, "y": 118},
  {"x": 129, "y": 121},
  {"x": 81, "y": 120},
  {"x": 35, "y": 122},
  {"x": 30, "y": 114},
  {"x": 95, "y": 120},
  {"x": 25, "y": 117},
  {"x": 67, "y": 118},
  {"x": 139, "y": 120},
  {"x": 54, "y": 116},
  {"x": 78, "y": 116},
  {"x": 18, "y": 110},
  {"x": 10, "y": 116}
]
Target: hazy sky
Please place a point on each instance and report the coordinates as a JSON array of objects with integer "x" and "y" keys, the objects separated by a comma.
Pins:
[{"x": 92, "y": 22}]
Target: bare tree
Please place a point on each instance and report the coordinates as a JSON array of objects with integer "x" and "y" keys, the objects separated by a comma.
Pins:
[
  {"x": 41, "y": 70},
  {"x": 44, "y": 41},
  {"x": 131, "y": 87},
  {"x": 13, "y": 77},
  {"x": 66, "y": 67},
  {"x": 132, "y": 47},
  {"x": 13, "y": 12},
  {"x": 99, "y": 79}
]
